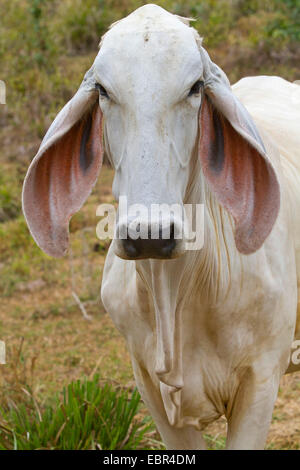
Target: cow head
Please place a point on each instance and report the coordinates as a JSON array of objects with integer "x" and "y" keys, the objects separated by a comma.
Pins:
[{"x": 154, "y": 96}]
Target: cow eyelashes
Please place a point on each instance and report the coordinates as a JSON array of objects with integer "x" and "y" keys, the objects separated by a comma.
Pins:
[
  {"x": 195, "y": 90},
  {"x": 102, "y": 90}
]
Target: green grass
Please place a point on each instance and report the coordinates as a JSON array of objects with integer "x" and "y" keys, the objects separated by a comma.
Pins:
[
  {"x": 215, "y": 442},
  {"x": 86, "y": 416}
]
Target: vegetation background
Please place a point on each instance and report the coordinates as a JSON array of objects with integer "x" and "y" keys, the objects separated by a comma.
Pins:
[{"x": 45, "y": 48}]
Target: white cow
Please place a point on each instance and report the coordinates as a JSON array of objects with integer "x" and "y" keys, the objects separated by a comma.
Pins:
[{"x": 209, "y": 331}]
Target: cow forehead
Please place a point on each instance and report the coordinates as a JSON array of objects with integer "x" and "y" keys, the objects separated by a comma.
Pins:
[
  {"x": 153, "y": 45},
  {"x": 148, "y": 18}
]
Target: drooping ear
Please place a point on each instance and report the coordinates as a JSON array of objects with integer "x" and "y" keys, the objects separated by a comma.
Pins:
[
  {"x": 65, "y": 169},
  {"x": 234, "y": 161}
]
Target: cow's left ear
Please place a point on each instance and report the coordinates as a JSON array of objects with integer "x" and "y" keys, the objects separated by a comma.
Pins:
[
  {"x": 65, "y": 169},
  {"x": 234, "y": 161}
]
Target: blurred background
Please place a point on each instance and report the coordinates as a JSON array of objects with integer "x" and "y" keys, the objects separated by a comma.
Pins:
[{"x": 51, "y": 318}]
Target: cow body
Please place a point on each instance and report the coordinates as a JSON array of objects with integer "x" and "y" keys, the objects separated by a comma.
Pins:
[{"x": 230, "y": 320}]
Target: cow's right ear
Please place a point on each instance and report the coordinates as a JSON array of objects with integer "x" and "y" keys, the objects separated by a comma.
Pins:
[{"x": 65, "y": 169}]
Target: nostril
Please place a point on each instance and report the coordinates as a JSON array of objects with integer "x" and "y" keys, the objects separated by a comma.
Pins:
[
  {"x": 131, "y": 248},
  {"x": 168, "y": 247}
]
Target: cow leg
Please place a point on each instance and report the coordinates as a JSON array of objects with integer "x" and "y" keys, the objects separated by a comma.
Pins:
[
  {"x": 251, "y": 413},
  {"x": 173, "y": 438}
]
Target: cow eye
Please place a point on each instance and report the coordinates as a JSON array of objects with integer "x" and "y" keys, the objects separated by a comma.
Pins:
[
  {"x": 196, "y": 88},
  {"x": 102, "y": 90}
]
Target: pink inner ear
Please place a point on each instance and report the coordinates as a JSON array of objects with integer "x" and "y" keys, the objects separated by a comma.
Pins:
[
  {"x": 243, "y": 181},
  {"x": 60, "y": 181}
]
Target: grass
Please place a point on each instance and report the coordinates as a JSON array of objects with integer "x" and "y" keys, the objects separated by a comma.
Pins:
[
  {"x": 215, "y": 442},
  {"x": 87, "y": 416}
]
